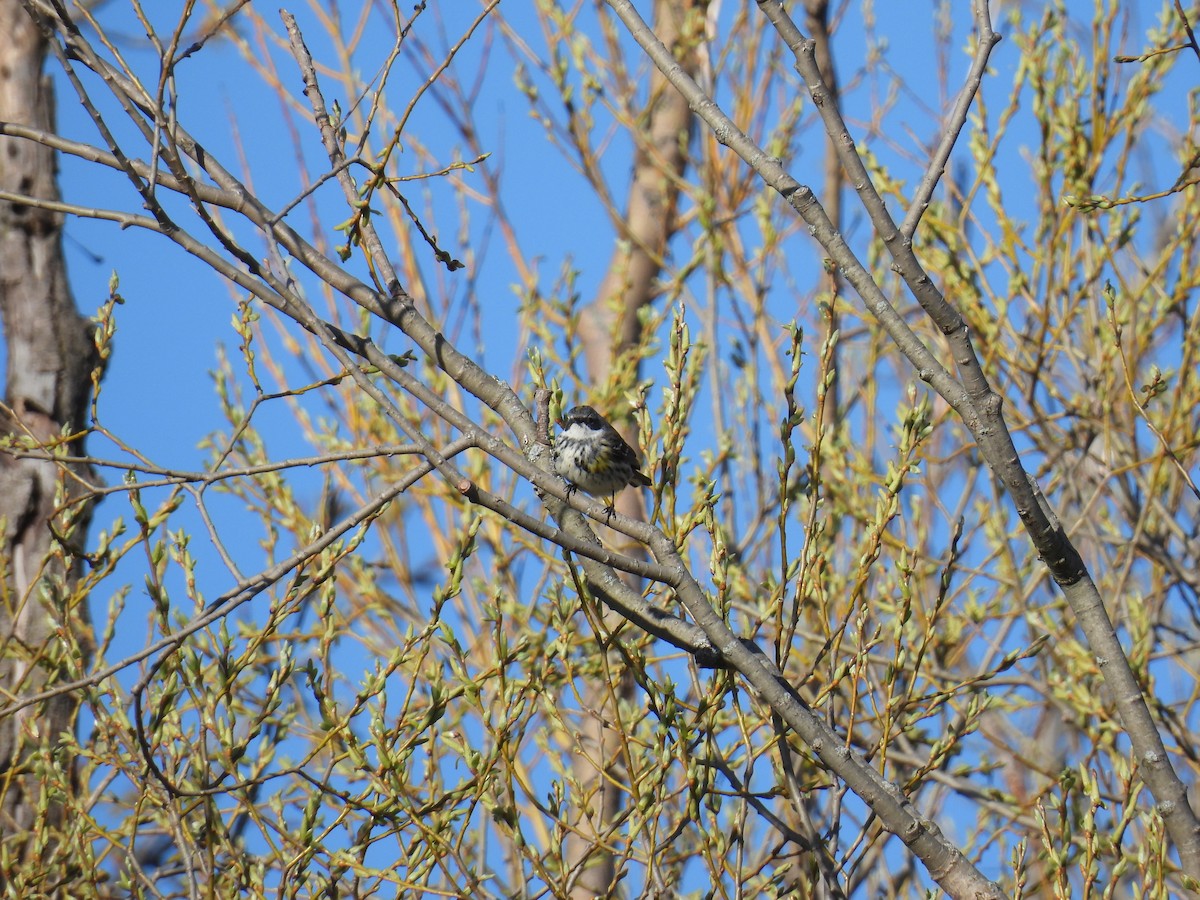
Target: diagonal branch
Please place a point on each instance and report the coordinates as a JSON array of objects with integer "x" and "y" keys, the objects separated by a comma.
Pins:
[{"x": 973, "y": 399}]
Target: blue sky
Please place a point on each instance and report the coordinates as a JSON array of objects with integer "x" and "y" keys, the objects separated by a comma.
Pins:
[{"x": 158, "y": 393}]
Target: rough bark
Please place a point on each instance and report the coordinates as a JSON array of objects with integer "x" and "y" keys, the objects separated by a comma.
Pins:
[{"x": 50, "y": 357}]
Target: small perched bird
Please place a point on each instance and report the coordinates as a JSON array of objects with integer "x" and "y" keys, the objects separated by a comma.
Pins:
[{"x": 593, "y": 457}]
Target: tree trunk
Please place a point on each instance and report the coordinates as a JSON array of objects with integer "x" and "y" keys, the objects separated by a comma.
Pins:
[{"x": 50, "y": 357}]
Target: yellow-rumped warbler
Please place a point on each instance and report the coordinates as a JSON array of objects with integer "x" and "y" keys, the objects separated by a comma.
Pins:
[{"x": 593, "y": 457}]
